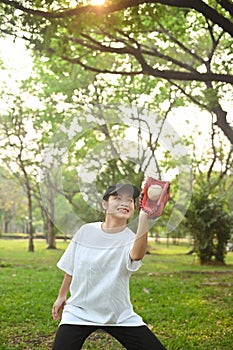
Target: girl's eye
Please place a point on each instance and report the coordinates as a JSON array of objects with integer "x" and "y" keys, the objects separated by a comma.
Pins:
[
  {"x": 120, "y": 198},
  {"x": 117, "y": 197}
]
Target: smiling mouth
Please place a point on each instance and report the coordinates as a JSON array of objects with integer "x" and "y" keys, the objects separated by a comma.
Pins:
[{"x": 123, "y": 210}]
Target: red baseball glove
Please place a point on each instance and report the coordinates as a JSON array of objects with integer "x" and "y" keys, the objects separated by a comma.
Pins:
[{"x": 154, "y": 208}]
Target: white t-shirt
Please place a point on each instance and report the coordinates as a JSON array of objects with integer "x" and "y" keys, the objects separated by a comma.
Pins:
[{"x": 100, "y": 266}]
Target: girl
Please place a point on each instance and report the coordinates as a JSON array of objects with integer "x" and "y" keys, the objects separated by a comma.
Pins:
[{"x": 98, "y": 264}]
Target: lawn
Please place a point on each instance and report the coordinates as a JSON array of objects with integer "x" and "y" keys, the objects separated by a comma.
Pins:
[{"x": 189, "y": 307}]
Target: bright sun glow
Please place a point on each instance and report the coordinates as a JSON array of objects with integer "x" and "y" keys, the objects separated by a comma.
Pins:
[
  {"x": 95, "y": 2},
  {"x": 74, "y": 3}
]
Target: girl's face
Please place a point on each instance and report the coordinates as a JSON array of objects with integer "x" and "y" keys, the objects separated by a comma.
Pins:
[{"x": 120, "y": 205}]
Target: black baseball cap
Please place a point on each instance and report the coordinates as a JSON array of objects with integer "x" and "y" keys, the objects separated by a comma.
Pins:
[{"x": 116, "y": 188}]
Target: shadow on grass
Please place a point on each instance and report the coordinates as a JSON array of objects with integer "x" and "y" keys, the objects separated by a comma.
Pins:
[{"x": 96, "y": 341}]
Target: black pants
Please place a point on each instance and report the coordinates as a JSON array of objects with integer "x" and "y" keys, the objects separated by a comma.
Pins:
[{"x": 72, "y": 337}]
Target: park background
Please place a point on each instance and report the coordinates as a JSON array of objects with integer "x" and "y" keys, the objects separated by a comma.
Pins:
[{"x": 98, "y": 93}]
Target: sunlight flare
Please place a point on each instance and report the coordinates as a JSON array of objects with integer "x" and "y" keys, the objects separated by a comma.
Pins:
[{"x": 95, "y": 2}]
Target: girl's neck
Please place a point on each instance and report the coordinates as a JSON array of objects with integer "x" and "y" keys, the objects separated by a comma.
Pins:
[{"x": 113, "y": 226}]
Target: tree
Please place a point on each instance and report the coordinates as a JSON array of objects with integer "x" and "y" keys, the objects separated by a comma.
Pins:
[
  {"x": 177, "y": 53},
  {"x": 210, "y": 221},
  {"x": 75, "y": 108},
  {"x": 186, "y": 43},
  {"x": 13, "y": 206},
  {"x": 18, "y": 149},
  {"x": 208, "y": 218}
]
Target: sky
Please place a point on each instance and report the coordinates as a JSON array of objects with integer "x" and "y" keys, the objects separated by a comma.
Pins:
[{"x": 15, "y": 57}]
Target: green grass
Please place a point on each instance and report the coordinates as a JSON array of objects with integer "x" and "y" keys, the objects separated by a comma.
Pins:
[{"x": 189, "y": 307}]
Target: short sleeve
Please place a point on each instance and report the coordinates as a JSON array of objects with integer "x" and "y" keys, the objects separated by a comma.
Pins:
[
  {"x": 132, "y": 265},
  {"x": 66, "y": 262}
]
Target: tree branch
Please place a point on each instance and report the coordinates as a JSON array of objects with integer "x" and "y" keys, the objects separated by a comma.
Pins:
[
  {"x": 180, "y": 44},
  {"x": 98, "y": 70},
  {"x": 190, "y": 96},
  {"x": 227, "y": 5},
  {"x": 197, "y": 5},
  {"x": 165, "y": 74},
  {"x": 214, "y": 158}
]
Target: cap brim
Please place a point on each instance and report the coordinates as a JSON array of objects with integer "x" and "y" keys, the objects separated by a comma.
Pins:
[{"x": 115, "y": 188}]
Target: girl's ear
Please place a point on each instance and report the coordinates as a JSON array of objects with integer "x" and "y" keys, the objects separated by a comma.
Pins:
[{"x": 105, "y": 205}]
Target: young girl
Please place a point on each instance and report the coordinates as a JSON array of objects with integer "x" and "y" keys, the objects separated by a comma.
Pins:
[{"x": 98, "y": 264}]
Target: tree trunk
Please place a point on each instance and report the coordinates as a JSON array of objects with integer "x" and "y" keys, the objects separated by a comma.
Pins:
[
  {"x": 31, "y": 241},
  {"x": 223, "y": 124},
  {"x": 30, "y": 226},
  {"x": 51, "y": 227},
  {"x": 51, "y": 235},
  {"x": 6, "y": 223}
]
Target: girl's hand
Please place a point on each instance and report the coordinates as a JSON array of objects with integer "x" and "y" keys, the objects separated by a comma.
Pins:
[{"x": 58, "y": 306}]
